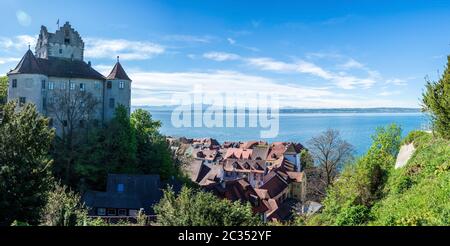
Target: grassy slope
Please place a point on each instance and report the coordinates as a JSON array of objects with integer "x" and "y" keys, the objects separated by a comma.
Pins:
[{"x": 419, "y": 193}]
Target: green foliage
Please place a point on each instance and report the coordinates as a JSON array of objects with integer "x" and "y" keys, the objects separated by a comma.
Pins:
[
  {"x": 353, "y": 215},
  {"x": 197, "y": 208},
  {"x": 127, "y": 145},
  {"x": 436, "y": 101},
  {"x": 3, "y": 89},
  {"x": 372, "y": 192},
  {"x": 121, "y": 143},
  {"x": 19, "y": 223},
  {"x": 418, "y": 193},
  {"x": 64, "y": 208},
  {"x": 153, "y": 153},
  {"x": 361, "y": 184},
  {"x": 25, "y": 167},
  {"x": 307, "y": 159}
]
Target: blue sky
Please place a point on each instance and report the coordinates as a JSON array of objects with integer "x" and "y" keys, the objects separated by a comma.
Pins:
[{"x": 312, "y": 54}]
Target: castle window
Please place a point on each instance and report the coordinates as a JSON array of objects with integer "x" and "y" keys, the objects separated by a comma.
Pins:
[
  {"x": 111, "y": 211},
  {"x": 97, "y": 85},
  {"x": 67, "y": 41},
  {"x": 63, "y": 85},
  {"x": 60, "y": 51},
  {"x": 122, "y": 212},
  {"x": 44, "y": 103},
  {"x": 72, "y": 85},
  {"x": 112, "y": 102},
  {"x": 22, "y": 101},
  {"x": 51, "y": 85},
  {"x": 43, "y": 84},
  {"x": 109, "y": 84},
  {"x": 121, "y": 85},
  {"x": 120, "y": 187},
  {"x": 82, "y": 87},
  {"x": 101, "y": 211},
  {"x": 14, "y": 83}
]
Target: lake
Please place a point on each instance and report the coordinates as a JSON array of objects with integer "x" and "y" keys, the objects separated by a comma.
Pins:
[{"x": 356, "y": 128}]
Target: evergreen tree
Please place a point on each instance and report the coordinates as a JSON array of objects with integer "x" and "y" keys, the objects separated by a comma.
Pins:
[
  {"x": 120, "y": 143},
  {"x": 25, "y": 165},
  {"x": 436, "y": 101},
  {"x": 3, "y": 89},
  {"x": 153, "y": 153},
  {"x": 197, "y": 208},
  {"x": 64, "y": 208}
]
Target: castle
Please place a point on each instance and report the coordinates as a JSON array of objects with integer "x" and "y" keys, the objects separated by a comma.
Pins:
[{"x": 58, "y": 66}]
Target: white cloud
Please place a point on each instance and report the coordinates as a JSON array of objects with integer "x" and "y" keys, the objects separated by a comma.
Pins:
[
  {"x": 351, "y": 64},
  {"x": 157, "y": 88},
  {"x": 397, "y": 81},
  {"x": 18, "y": 43},
  {"x": 221, "y": 56},
  {"x": 103, "y": 68},
  {"x": 389, "y": 93},
  {"x": 231, "y": 41},
  {"x": 341, "y": 79},
  {"x": 4, "y": 60},
  {"x": 189, "y": 38},
  {"x": 126, "y": 49},
  {"x": 23, "y": 18}
]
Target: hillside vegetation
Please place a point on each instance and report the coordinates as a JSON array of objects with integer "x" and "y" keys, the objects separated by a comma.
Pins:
[
  {"x": 371, "y": 192},
  {"x": 419, "y": 193}
]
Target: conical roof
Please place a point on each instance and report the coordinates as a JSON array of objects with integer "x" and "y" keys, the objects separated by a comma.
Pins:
[
  {"x": 118, "y": 73},
  {"x": 28, "y": 65}
]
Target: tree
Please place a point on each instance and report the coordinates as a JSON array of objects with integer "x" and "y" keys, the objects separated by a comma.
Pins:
[
  {"x": 3, "y": 89},
  {"x": 436, "y": 101},
  {"x": 152, "y": 151},
  {"x": 64, "y": 208},
  {"x": 330, "y": 152},
  {"x": 307, "y": 159},
  {"x": 121, "y": 143},
  {"x": 73, "y": 110},
  {"x": 25, "y": 165},
  {"x": 361, "y": 184},
  {"x": 197, "y": 208}
]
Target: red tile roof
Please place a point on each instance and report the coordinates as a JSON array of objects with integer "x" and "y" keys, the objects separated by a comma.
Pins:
[{"x": 118, "y": 73}]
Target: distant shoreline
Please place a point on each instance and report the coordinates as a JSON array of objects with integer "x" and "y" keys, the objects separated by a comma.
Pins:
[{"x": 307, "y": 110}]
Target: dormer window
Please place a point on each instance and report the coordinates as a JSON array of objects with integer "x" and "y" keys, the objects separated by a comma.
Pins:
[{"x": 120, "y": 187}]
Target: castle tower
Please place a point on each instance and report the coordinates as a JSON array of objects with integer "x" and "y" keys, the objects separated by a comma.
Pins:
[
  {"x": 64, "y": 43},
  {"x": 117, "y": 91},
  {"x": 26, "y": 82}
]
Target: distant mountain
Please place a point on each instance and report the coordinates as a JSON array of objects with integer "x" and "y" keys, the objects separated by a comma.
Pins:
[{"x": 304, "y": 110}]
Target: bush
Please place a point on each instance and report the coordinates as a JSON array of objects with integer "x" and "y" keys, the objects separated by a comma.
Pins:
[
  {"x": 64, "y": 208},
  {"x": 353, "y": 215},
  {"x": 197, "y": 208}
]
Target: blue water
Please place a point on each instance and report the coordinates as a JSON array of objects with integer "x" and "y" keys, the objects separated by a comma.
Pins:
[{"x": 356, "y": 128}]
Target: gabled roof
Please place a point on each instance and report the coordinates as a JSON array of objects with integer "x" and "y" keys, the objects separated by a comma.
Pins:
[
  {"x": 118, "y": 73},
  {"x": 55, "y": 67},
  {"x": 27, "y": 65},
  {"x": 66, "y": 68}
]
